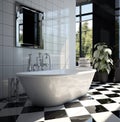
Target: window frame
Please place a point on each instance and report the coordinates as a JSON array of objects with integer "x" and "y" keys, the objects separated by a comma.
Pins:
[{"x": 80, "y": 15}]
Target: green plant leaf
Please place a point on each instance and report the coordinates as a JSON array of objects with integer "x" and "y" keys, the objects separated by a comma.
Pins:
[
  {"x": 101, "y": 58},
  {"x": 109, "y": 51}
]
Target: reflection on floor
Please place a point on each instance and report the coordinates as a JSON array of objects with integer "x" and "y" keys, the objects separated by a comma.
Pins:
[{"x": 101, "y": 104}]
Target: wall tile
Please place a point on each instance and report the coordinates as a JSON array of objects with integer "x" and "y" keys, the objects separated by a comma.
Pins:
[
  {"x": 1, "y": 39},
  {"x": 1, "y": 29},
  {"x": 42, "y": 3},
  {"x": 1, "y": 55},
  {"x": 28, "y": 3},
  {"x": 11, "y": 1},
  {"x": 8, "y": 7},
  {"x": 7, "y": 72},
  {"x": 25, "y": 55},
  {"x": 7, "y": 56},
  {"x": 36, "y": 1},
  {"x": 17, "y": 69},
  {"x": 1, "y": 17},
  {"x": 25, "y": 68},
  {"x": 49, "y": 6},
  {"x": 1, "y": 5},
  {"x": 21, "y": 1},
  {"x": 8, "y": 41},
  {"x": 1, "y": 73},
  {"x": 18, "y": 56},
  {"x": 8, "y": 19},
  {"x": 8, "y": 30}
]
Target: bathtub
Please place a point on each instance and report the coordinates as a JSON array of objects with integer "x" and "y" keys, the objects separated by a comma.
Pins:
[{"x": 55, "y": 87}]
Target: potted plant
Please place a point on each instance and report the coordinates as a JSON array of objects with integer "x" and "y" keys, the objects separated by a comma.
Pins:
[{"x": 102, "y": 61}]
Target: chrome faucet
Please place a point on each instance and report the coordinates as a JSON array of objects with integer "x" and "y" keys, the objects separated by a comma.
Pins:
[
  {"x": 29, "y": 68},
  {"x": 48, "y": 56},
  {"x": 36, "y": 66},
  {"x": 40, "y": 61},
  {"x": 40, "y": 64}
]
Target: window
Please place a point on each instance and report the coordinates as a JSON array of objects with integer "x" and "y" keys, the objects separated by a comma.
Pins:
[{"x": 84, "y": 31}]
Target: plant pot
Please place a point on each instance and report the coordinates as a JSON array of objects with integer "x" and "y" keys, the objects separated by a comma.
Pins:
[{"x": 103, "y": 77}]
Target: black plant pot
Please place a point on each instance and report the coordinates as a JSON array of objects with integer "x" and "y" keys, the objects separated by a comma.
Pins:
[{"x": 103, "y": 77}]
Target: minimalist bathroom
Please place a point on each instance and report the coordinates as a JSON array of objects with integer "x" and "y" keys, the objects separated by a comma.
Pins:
[{"x": 59, "y": 61}]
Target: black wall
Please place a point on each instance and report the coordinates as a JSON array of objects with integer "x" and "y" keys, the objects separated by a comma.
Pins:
[
  {"x": 104, "y": 25},
  {"x": 104, "y": 21}
]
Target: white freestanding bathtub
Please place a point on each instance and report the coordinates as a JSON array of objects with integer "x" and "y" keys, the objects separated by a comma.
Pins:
[{"x": 55, "y": 87}]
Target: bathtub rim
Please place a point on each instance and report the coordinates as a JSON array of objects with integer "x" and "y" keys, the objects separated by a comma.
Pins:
[{"x": 59, "y": 72}]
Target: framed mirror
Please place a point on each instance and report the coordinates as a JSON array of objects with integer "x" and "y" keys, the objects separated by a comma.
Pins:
[{"x": 29, "y": 27}]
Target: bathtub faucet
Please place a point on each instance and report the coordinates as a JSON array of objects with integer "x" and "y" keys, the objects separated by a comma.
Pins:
[
  {"x": 41, "y": 64},
  {"x": 42, "y": 61},
  {"x": 29, "y": 67},
  {"x": 48, "y": 56}
]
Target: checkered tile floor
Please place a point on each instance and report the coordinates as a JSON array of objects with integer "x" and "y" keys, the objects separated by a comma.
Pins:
[{"x": 101, "y": 104}]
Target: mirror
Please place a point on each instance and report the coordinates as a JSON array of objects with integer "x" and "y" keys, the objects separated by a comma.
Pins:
[{"x": 28, "y": 27}]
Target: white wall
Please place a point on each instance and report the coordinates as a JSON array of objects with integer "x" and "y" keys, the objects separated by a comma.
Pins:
[{"x": 59, "y": 37}]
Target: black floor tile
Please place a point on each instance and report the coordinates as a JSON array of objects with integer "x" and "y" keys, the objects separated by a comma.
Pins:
[
  {"x": 55, "y": 114},
  {"x": 102, "y": 89},
  {"x": 113, "y": 84},
  {"x": 95, "y": 85},
  {"x": 105, "y": 101},
  {"x": 30, "y": 109},
  {"x": 116, "y": 91},
  {"x": 96, "y": 109},
  {"x": 85, "y": 118},
  {"x": 118, "y": 87},
  {"x": 9, "y": 118},
  {"x": 94, "y": 93},
  {"x": 107, "y": 86},
  {"x": 112, "y": 95},
  {"x": 117, "y": 113},
  {"x": 72, "y": 104},
  {"x": 86, "y": 97},
  {"x": 15, "y": 104}
]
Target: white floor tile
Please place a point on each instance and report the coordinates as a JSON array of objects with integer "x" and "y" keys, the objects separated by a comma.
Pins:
[
  {"x": 106, "y": 92},
  {"x": 100, "y": 87},
  {"x": 105, "y": 117},
  {"x": 112, "y": 106},
  {"x": 99, "y": 96},
  {"x": 78, "y": 111},
  {"x": 92, "y": 90},
  {"x": 89, "y": 102},
  {"x": 112, "y": 89},
  {"x": 116, "y": 99},
  {"x": 59, "y": 120}
]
